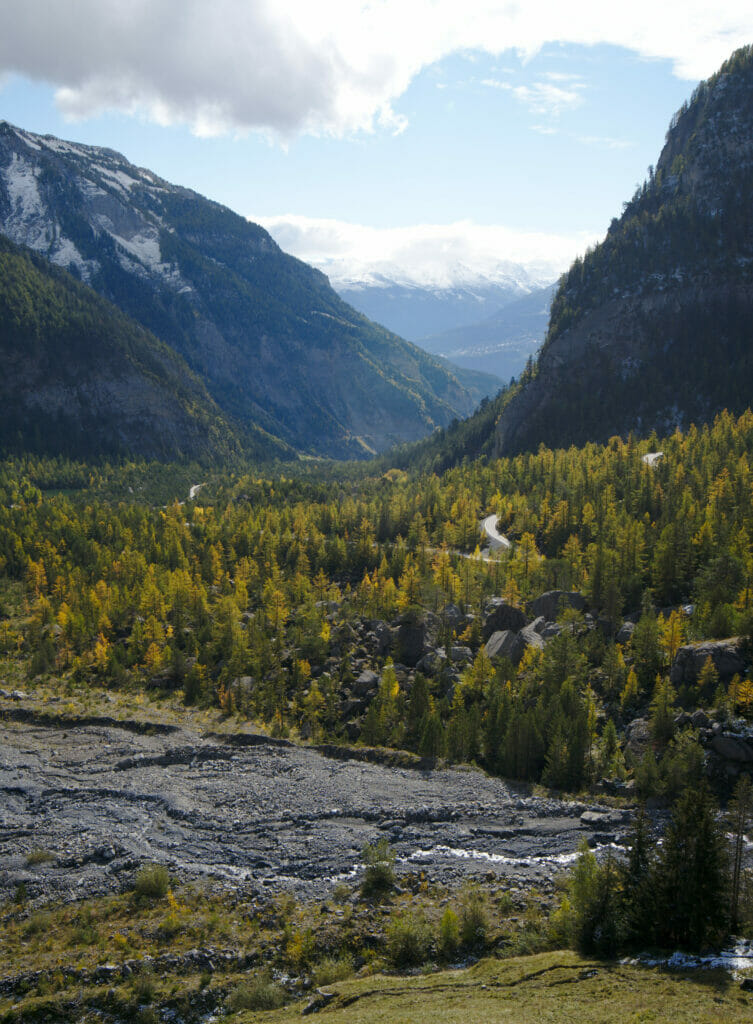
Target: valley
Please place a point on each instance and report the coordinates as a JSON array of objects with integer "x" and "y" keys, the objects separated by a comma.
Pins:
[{"x": 320, "y": 691}]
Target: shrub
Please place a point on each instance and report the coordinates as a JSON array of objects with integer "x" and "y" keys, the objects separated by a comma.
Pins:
[
  {"x": 408, "y": 940},
  {"x": 260, "y": 993},
  {"x": 331, "y": 969},
  {"x": 152, "y": 883},
  {"x": 474, "y": 923},
  {"x": 380, "y": 875},
  {"x": 449, "y": 934},
  {"x": 39, "y": 856}
]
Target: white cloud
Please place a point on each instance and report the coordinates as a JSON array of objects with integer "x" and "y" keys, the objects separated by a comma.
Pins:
[
  {"x": 334, "y": 66},
  {"x": 430, "y": 255},
  {"x": 542, "y": 97}
]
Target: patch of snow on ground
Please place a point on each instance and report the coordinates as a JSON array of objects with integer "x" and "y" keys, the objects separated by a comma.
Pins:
[
  {"x": 28, "y": 139},
  {"x": 121, "y": 181},
  {"x": 58, "y": 146},
  {"x": 145, "y": 247},
  {"x": 738, "y": 957},
  {"x": 27, "y": 223},
  {"x": 65, "y": 252}
]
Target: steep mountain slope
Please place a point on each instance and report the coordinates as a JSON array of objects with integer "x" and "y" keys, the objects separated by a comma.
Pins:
[
  {"x": 654, "y": 327},
  {"x": 274, "y": 343},
  {"x": 81, "y": 379},
  {"x": 501, "y": 344}
]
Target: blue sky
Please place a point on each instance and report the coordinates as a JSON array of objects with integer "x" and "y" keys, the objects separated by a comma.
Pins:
[{"x": 380, "y": 135}]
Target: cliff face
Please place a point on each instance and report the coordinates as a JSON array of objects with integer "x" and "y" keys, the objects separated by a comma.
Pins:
[
  {"x": 654, "y": 327},
  {"x": 275, "y": 345}
]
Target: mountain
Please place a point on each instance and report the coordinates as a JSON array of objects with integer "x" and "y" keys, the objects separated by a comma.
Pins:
[
  {"x": 80, "y": 379},
  {"x": 277, "y": 348},
  {"x": 416, "y": 311},
  {"x": 502, "y": 343},
  {"x": 652, "y": 329}
]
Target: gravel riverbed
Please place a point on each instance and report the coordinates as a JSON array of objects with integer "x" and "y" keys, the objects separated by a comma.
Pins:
[{"x": 104, "y": 796}]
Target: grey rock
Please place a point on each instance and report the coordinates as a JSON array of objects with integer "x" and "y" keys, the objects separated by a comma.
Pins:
[
  {"x": 551, "y": 629},
  {"x": 731, "y": 747},
  {"x": 726, "y": 655},
  {"x": 461, "y": 654},
  {"x": 366, "y": 683},
  {"x": 638, "y": 738},
  {"x": 452, "y": 614},
  {"x": 550, "y": 604},
  {"x": 411, "y": 640},
  {"x": 503, "y": 617},
  {"x": 625, "y": 633},
  {"x": 505, "y": 644}
]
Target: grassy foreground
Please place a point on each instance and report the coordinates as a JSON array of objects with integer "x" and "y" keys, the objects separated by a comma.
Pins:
[{"x": 558, "y": 986}]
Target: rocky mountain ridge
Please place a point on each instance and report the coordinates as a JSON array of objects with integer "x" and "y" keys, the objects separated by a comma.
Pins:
[
  {"x": 276, "y": 347},
  {"x": 650, "y": 330}
]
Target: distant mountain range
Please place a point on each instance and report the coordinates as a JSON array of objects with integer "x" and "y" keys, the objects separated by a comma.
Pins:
[
  {"x": 279, "y": 353},
  {"x": 653, "y": 328},
  {"x": 503, "y": 343},
  {"x": 417, "y": 311}
]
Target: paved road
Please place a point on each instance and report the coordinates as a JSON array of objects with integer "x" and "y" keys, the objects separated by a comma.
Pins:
[{"x": 489, "y": 529}]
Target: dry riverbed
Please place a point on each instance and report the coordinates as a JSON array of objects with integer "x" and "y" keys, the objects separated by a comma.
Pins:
[{"x": 96, "y": 798}]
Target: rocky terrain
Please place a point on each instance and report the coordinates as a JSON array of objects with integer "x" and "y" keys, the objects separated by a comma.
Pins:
[{"x": 100, "y": 797}]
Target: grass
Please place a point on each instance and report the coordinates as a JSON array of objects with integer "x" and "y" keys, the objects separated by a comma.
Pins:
[{"x": 549, "y": 988}]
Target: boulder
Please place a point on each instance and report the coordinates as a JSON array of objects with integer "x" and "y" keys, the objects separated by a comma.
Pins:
[
  {"x": 638, "y": 738},
  {"x": 367, "y": 682},
  {"x": 503, "y": 617},
  {"x": 380, "y": 637},
  {"x": 411, "y": 640},
  {"x": 432, "y": 662},
  {"x": 452, "y": 615},
  {"x": 538, "y": 625},
  {"x": 461, "y": 654},
  {"x": 551, "y": 603},
  {"x": 731, "y": 747},
  {"x": 726, "y": 655},
  {"x": 505, "y": 643},
  {"x": 625, "y": 633},
  {"x": 531, "y": 638}
]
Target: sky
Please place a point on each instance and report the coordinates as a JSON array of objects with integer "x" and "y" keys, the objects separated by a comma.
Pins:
[{"x": 425, "y": 138}]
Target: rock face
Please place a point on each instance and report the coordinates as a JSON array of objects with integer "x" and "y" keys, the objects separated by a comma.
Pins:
[
  {"x": 275, "y": 345},
  {"x": 726, "y": 655},
  {"x": 666, "y": 297}
]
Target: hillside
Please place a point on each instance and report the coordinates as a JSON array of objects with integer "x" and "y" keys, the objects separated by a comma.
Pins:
[
  {"x": 652, "y": 328},
  {"x": 275, "y": 345},
  {"x": 80, "y": 379}
]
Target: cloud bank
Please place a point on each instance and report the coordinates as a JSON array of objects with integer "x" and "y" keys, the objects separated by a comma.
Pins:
[
  {"x": 331, "y": 67},
  {"x": 428, "y": 255}
]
